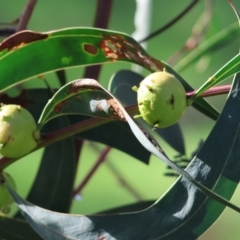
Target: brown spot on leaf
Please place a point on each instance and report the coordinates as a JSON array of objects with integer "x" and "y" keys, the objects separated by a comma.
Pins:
[
  {"x": 116, "y": 109},
  {"x": 116, "y": 47},
  {"x": 152, "y": 140},
  {"x": 91, "y": 49},
  {"x": 19, "y": 39},
  {"x": 59, "y": 106},
  {"x": 77, "y": 85}
]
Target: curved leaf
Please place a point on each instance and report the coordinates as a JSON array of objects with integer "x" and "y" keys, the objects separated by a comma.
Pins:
[
  {"x": 229, "y": 69},
  {"x": 16, "y": 229},
  {"x": 85, "y": 97},
  {"x": 50, "y": 189},
  {"x": 209, "y": 45},
  {"x": 79, "y": 96},
  {"x": 35, "y": 99},
  {"x": 183, "y": 212},
  {"x": 44, "y": 52}
]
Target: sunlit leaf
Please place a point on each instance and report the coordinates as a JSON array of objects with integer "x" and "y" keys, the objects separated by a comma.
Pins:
[
  {"x": 209, "y": 45},
  {"x": 229, "y": 69},
  {"x": 41, "y": 53},
  {"x": 182, "y": 213},
  {"x": 51, "y": 190},
  {"x": 35, "y": 100}
]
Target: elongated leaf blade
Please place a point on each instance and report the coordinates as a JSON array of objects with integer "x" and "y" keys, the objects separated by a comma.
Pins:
[
  {"x": 210, "y": 45},
  {"x": 183, "y": 212},
  {"x": 85, "y": 97},
  {"x": 81, "y": 96},
  {"x": 41, "y": 53},
  {"x": 229, "y": 69},
  {"x": 16, "y": 229},
  {"x": 35, "y": 99},
  {"x": 112, "y": 109},
  {"x": 51, "y": 190}
]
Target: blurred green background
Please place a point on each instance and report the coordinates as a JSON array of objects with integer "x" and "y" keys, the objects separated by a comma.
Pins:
[{"x": 104, "y": 190}]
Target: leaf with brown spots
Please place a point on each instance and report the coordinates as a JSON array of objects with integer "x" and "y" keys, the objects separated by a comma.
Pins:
[
  {"x": 20, "y": 39},
  {"x": 40, "y": 53},
  {"x": 84, "y": 97}
]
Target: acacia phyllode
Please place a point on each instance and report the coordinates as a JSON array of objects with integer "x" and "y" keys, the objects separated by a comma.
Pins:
[
  {"x": 161, "y": 99},
  {"x": 18, "y": 135}
]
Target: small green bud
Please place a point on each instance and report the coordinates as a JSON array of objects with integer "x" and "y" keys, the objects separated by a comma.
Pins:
[
  {"x": 18, "y": 135},
  {"x": 161, "y": 99}
]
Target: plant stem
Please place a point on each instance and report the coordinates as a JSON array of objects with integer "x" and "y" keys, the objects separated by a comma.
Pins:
[
  {"x": 95, "y": 122},
  {"x": 26, "y": 15},
  {"x": 171, "y": 23},
  {"x": 99, "y": 161},
  {"x": 214, "y": 91},
  {"x": 120, "y": 178},
  {"x": 198, "y": 31},
  {"x": 102, "y": 17}
]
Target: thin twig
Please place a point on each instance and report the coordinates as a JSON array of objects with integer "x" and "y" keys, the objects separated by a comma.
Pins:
[
  {"x": 99, "y": 161},
  {"x": 85, "y": 125},
  {"x": 102, "y": 17},
  {"x": 118, "y": 175},
  {"x": 78, "y": 143},
  {"x": 62, "y": 78},
  {"x": 123, "y": 182},
  {"x": 172, "y": 22},
  {"x": 198, "y": 31},
  {"x": 26, "y": 15},
  {"x": 214, "y": 91}
]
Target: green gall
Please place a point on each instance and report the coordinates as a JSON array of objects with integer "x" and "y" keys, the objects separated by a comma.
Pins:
[
  {"x": 18, "y": 135},
  {"x": 161, "y": 99},
  {"x": 5, "y": 197}
]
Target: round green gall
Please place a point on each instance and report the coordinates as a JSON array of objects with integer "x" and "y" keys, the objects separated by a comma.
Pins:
[
  {"x": 5, "y": 197},
  {"x": 18, "y": 135},
  {"x": 161, "y": 99}
]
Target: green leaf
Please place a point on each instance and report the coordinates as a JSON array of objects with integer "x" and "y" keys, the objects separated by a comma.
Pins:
[
  {"x": 27, "y": 98},
  {"x": 184, "y": 212},
  {"x": 201, "y": 104},
  {"x": 44, "y": 52},
  {"x": 50, "y": 189},
  {"x": 70, "y": 99},
  {"x": 115, "y": 134},
  {"x": 83, "y": 97},
  {"x": 16, "y": 229},
  {"x": 229, "y": 69},
  {"x": 211, "y": 44}
]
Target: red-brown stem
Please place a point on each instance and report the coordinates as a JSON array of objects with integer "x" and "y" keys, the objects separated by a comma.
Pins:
[
  {"x": 78, "y": 143},
  {"x": 99, "y": 161},
  {"x": 171, "y": 23},
  {"x": 214, "y": 91},
  {"x": 95, "y": 122},
  {"x": 119, "y": 177},
  {"x": 26, "y": 15},
  {"x": 102, "y": 17}
]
